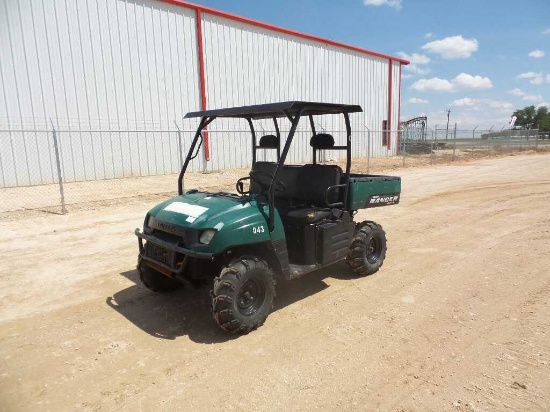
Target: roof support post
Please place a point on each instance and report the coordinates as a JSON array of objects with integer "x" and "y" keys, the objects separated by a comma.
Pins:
[
  {"x": 278, "y": 134},
  {"x": 254, "y": 146},
  {"x": 295, "y": 121},
  {"x": 312, "y": 124},
  {"x": 348, "y": 158},
  {"x": 205, "y": 121}
]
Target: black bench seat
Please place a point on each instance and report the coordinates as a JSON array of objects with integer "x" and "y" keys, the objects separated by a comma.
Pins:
[{"x": 305, "y": 195}]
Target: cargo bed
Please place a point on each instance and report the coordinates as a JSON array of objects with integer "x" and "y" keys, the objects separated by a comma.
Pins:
[{"x": 367, "y": 191}]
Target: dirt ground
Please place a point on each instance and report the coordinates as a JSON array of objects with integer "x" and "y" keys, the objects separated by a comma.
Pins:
[{"x": 457, "y": 318}]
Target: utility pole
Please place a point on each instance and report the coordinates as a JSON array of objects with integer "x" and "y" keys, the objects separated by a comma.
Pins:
[{"x": 447, "y": 133}]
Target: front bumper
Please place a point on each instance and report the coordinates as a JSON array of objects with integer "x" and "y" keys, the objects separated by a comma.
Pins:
[{"x": 169, "y": 250}]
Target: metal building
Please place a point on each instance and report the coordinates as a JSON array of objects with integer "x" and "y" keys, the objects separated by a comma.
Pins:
[{"x": 78, "y": 65}]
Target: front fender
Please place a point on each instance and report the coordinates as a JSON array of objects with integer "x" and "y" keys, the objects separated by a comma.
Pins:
[{"x": 244, "y": 226}]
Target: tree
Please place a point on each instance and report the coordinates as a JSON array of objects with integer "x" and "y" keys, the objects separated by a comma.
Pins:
[
  {"x": 531, "y": 118},
  {"x": 542, "y": 119}
]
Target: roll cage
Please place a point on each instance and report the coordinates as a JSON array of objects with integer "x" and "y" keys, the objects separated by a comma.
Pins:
[{"x": 293, "y": 111}]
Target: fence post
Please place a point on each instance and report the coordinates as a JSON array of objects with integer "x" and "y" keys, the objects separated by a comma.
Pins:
[
  {"x": 58, "y": 165},
  {"x": 180, "y": 149},
  {"x": 368, "y": 150},
  {"x": 454, "y": 144},
  {"x": 473, "y": 137},
  {"x": 404, "y": 151}
]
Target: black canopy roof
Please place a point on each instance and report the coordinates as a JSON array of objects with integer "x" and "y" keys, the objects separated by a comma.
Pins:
[{"x": 265, "y": 111}]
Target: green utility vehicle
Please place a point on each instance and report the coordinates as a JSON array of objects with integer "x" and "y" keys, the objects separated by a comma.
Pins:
[{"x": 284, "y": 220}]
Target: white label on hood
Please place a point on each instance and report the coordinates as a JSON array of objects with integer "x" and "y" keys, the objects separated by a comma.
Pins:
[{"x": 186, "y": 209}]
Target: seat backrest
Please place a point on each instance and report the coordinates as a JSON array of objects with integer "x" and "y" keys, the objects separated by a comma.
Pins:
[
  {"x": 290, "y": 176},
  {"x": 269, "y": 141},
  {"x": 265, "y": 169},
  {"x": 321, "y": 141},
  {"x": 313, "y": 182},
  {"x": 304, "y": 184}
]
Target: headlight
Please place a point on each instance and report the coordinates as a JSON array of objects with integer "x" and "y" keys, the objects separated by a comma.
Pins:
[
  {"x": 147, "y": 224},
  {"x": 207, "y": 236}
]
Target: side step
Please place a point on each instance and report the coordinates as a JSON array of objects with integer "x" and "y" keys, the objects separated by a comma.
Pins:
[{"x": 297, "y": 271}]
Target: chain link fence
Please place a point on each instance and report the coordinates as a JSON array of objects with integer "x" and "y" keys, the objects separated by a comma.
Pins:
[
  {"x": 441, "y": 146},
  {"x": 56, "y": 171}
]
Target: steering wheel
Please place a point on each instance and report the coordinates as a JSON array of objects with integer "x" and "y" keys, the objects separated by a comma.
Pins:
[
  {"x": 255, "y": 175},
  {"x": 240, "y": 186}
]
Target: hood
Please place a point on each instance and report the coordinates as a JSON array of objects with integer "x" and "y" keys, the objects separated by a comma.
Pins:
[
  {"x": 204, "y": 210},
  {"x": 236, "y": 220}
]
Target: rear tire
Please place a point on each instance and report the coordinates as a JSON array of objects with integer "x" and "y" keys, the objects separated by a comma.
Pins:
[
  {"x": 243, "y": 294},
  {"x": 368, "y": 249},
  {"x": 156, "y": 281}
]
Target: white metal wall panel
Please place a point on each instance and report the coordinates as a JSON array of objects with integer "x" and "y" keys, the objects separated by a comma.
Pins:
[
  {"x": 102, "y": 64},
  {"x": 246, "y": 64},
  {"x": 116, "y": 65}
]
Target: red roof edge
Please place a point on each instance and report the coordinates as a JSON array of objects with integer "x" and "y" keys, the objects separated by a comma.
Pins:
[{"x": 281, "y": 29}]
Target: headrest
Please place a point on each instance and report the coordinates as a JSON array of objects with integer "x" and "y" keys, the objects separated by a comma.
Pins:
[
  {"x": 269, "y": 141},
  {"x": 322, "y": 141}
]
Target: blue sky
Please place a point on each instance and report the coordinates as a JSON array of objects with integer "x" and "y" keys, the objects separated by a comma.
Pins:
[{"x": 481, "y": 59}]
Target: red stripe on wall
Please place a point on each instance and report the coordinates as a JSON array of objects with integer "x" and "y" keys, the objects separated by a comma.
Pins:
[
  {"x": 280, "y": 29},
  {"x": 399, "y": 114},
  {"x": 390, "y": 86}
]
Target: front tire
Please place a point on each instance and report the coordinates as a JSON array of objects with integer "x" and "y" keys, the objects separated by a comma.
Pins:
[
  {"x": 368, "y": 249},
  {"x": 242, "y": 296}
]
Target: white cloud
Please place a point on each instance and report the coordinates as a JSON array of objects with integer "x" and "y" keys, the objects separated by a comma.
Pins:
[
  {"x": 547, "y": 31},
  {"x": 396, "y": 4},
  {"x": 502, "y": 106},
  {"x": 466, "y": 81},
  {"x": 537, "y": 98},
  {"x": 463, "y": 81},
  {"x": 435, "y": 84},
  {"x": 536, "y": 54},
  {"x": 416, "y": 60},
  {"x": 532, "y": 98},
  {"x": 415, "y": 100},
  {"x": 483, "y": 104},
  {"x": 413, "y": 68},
  {"x": 535, "y": 78},
  {"x": 455, "y": 47},
  {"x": 428, "y": 35},
  {"x": 466, "y": 101},
  {"x": 516, "y": 92}
]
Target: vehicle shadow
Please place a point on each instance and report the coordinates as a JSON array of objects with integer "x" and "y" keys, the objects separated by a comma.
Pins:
[{"x": 186, "y": 311}]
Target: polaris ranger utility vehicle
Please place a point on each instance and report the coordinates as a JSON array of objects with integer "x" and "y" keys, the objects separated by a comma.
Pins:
[{"x": 284, "y": 219}]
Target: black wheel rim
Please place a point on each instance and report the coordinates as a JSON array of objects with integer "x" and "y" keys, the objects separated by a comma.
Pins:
[
  {"x": 374, "y": 250},
  {"x": 251, "y": 297}
]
